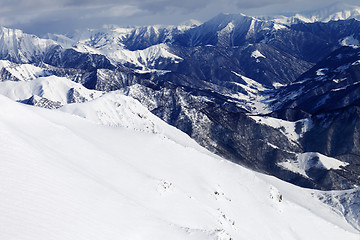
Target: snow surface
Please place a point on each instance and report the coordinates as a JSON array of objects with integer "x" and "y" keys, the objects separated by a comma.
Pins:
[
  {"x": 292, "y": 130},
  {"x": 350, "y": 41},
  {"x": 141, "y": 58},
  {"x": 257, "y": 54},
  {"x": 22, "y": 47},
  {"x": 65, "y": 177},
  {"x": 335, "y": 12},
  {"x": 227, "y": 29},
  {"x": 254, "y": 101},
  {"x": 117, "y": 110},
  {"x": 278, "y": 26},
  {"x": 22, "y": 72},
  {"x": 278, "y": 85},
  {"x": 321, "y": 71},
  {"x": 186, "y": 25},
  {"x": 308, "y": 160},
  {"x": 53, "y": 88}
]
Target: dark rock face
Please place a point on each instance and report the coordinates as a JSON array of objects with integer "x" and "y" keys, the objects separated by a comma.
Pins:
[
  {"x": 332, "y": 84},
  {"x": 69, "y": 58},
  {"x": 42, "y": 102},
  {"x": 217, "y": 64}
]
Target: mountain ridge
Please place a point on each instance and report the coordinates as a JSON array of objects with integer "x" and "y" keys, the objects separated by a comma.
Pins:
[{"x": 208, "y": 80}]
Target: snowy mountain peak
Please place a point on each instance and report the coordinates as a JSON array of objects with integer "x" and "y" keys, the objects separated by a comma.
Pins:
[
  {"x": 186, "y": 25},
  {"x": 335, "y": 12},
  {"x": 191, "y": 23},
  {"x": 17, "y": 46},
  {"x": 10, "y": 32}
]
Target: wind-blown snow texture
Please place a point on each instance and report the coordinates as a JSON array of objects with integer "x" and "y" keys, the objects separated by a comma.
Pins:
[{"x": 64, "y": 177}]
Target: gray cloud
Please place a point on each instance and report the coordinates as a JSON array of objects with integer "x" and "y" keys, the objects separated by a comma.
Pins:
[
  {"x": 258, "y": 4},
  {"x": 41, "y": 16}
]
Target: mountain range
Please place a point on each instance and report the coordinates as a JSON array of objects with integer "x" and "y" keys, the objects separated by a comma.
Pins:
[{"x": 278, "y": 95}]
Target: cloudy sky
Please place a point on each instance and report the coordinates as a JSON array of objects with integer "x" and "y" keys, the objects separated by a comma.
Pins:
[{"x": 63, "y": 16}]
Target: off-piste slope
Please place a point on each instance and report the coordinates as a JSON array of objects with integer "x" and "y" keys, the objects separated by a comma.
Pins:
[{"x": 64, "y": 176}]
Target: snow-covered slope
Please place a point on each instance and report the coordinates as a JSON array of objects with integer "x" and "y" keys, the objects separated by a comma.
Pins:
[
  {"x": 311, "y": 160},
  {"x": 19, "y": 47},
  {"x": 145, "y": 58},
  {"x": 20, "y": 72},
  {"x": 57, "y": 90},
  {"x": 117, "y": 110},
  {"x": 254, "y": 99},
  {"x": 64, "y": 177}
]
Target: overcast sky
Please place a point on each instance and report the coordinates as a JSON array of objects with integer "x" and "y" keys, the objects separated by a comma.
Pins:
[{"x": 63, "y": 16}]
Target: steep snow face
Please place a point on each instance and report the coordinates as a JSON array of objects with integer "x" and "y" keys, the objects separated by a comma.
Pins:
[
  {"x": 145, "y": 58},
  {"x": 19, "y": 47},
  {"x": 81, "y": 180},
  {"x": 191, "y": 23},
  {"x": 345, "y": 203},
  {"x": 117, "y": 110},
  {"x": 55, "y": 89}
]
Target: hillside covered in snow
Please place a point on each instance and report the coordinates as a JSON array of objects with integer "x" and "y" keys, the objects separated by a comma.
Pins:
[{"x": 70, "y": 177}]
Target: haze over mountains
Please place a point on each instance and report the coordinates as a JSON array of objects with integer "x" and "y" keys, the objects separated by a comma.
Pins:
[{"x": 276, "y": 95}]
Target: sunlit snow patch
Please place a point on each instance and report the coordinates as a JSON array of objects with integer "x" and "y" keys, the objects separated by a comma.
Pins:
[
  {"x": 321, "y": 71},
  {"x": 53, "y": 88},
  {"x": 113, "y": 182},
  {"x": 257, "y": 54},
  {"x": 350, "y": 41},
  {"x": 292, "y": 130},
  {"x": 309, "y": 160},
  {"x": 21, "y": 72}
]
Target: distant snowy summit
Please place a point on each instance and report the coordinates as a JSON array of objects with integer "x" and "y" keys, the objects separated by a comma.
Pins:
[{"x": 335, "y": 12}]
